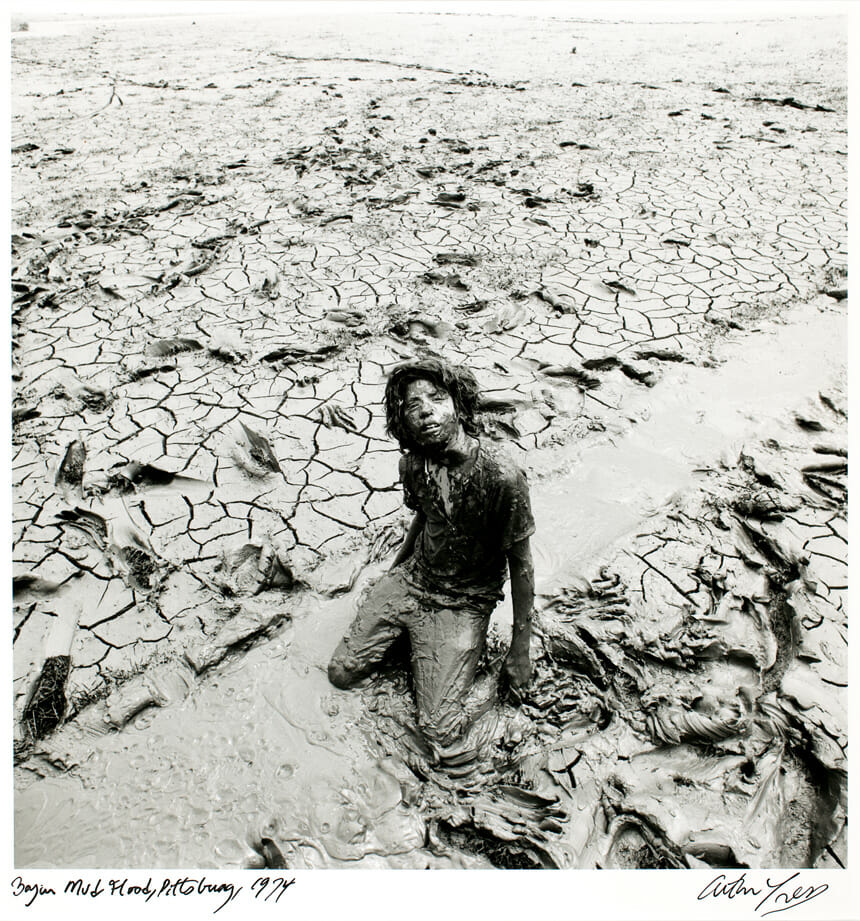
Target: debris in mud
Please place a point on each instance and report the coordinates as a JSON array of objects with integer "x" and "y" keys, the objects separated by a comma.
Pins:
[
  {"x": 449, "y": 199},
  {"x": 332, "y": 415},
  {"x": 555, "y": 301},
  {"x": 420, "y": 327},
  {"x": 669, "y": 723},
  {"x": 294, "y": 352},
  {"x": 46, "y": 704},
  {"x": 229, "y": 346},
  {"x": 454, "y": 258},
  {"x": 351, "y": 318},
  {"x": 135, "y": 475},
  {"x": 335, "y": 217},
  {"x": 165, "y": 348},
  {"x": 809, "y": 423},
  {"x": 71, "y": 469},
  {"x": 253, "y": 453},
  {"x": 46, "y": 707},
  {"x": 126, "y": 548},
  {"x": 23, "y": 411},
  {"x": 451, "y": 281},
  {"x": 575, "y": 373},
  {"x": 637, "y": 371},
  {"x": 767, "y": 504},
  {"x": 789, "y": 101},
  {"x": 584, "y": 190},
  {"x": 253, "y": 568},
  {"x": 27, "y": 583},
  {"x": 160, "y": 686},
  {"x": 660, "y": 354},
  {"x": 507, "y": 317},
  {"x": 602, "y": 362},
  {"x": 69, "y": 386},
  {"x": 380, "y": 202},
  {"x": 640, "y": 373},
  {"x": 835, "y": 402},
  {"x": 272, "y": 856},
  {"x": 619, "y": 286},
  {"x": 242, "y": 626},
  {"x": 141, "y": 369}
]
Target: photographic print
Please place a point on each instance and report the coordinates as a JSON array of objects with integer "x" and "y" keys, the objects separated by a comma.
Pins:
[{"x": 429, "y": 438}]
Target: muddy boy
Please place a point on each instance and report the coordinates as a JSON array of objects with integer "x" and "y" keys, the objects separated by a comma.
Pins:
[{"x": 472, "y": 522}]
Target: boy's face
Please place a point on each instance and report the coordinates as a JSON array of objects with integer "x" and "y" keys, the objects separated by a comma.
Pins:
[{"x": 429, "y": 414}]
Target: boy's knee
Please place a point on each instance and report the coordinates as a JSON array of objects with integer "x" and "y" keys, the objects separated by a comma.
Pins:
[{"x": 341, "y": 676}]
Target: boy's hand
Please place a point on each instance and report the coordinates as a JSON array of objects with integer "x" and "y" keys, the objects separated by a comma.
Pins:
[{"x": 517, "y": 669}]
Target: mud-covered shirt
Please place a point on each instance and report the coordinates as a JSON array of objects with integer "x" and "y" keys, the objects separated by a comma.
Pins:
[{"x": 473, "y": 516}]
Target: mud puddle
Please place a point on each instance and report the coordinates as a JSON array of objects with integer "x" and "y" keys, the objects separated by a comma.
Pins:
[
  {"x": 262, "y": 764},
  {"x": 261, "y": 752}
]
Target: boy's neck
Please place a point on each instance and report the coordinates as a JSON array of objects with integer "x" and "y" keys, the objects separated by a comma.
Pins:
[{"x": 456, "y": 452}]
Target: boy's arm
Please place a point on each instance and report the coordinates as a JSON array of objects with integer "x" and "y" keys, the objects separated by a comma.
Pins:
[
  {"x": 517, "y": 664},
  {"x": 408, "y": 544}
]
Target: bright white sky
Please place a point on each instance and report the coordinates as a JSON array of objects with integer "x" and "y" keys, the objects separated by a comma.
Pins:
[{"x": 642, "y": 10}]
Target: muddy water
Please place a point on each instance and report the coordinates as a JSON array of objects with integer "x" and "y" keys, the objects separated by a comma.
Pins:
[{"x": 263, "y": 747}]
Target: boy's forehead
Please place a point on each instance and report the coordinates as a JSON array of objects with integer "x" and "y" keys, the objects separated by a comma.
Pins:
[{"x": 421, "y": 385}]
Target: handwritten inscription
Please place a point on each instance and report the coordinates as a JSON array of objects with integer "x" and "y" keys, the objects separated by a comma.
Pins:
[
  {"x": 273, "y": 888},
  {"x": 29, "y": 891},
  {"x": 264, "y": 889},
  {"x": 772, "y": 897}
]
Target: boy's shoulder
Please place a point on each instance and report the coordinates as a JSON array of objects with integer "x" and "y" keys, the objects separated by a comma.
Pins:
[{"x": 499, "y": 461}]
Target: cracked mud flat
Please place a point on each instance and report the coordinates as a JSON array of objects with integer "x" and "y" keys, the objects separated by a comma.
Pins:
[{"x": 639, "y": 248}]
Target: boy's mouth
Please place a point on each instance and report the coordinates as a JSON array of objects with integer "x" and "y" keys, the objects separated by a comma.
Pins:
[{"x": 432, "y": 431}]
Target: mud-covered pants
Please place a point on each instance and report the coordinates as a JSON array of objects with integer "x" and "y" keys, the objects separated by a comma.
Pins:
[{"x": 446, "y": 644}]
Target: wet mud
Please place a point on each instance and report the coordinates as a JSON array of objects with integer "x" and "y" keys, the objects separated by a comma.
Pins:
[{"x": 202, "y": 323}]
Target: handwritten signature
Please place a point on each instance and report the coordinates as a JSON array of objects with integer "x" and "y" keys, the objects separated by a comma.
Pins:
[{"x": 778, "y": 896}]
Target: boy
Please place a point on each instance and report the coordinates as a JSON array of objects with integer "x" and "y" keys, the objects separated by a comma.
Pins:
[{"x": 472, "y": 517}]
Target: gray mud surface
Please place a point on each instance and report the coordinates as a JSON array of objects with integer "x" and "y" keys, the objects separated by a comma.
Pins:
[{"x": 225, "y": 233}]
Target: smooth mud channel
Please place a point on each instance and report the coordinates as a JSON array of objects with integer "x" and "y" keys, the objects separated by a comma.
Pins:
[{"x": 223, "y": 241}]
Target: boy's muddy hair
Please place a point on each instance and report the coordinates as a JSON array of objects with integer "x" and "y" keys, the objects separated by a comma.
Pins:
[{"x": 459, "y": 382}]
